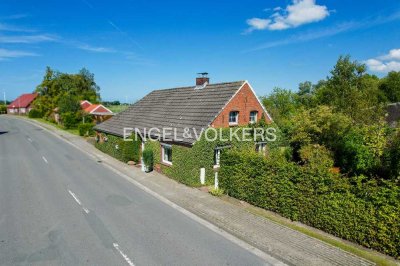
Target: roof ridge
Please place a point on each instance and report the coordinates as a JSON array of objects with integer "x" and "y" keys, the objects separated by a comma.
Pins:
[{"x": 211, "y": 84}]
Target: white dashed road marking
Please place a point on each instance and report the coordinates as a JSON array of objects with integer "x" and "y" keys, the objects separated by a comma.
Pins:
[
  {"x": 86, "y": 210},
  {"x": 44, "y": 159},
  {"x": 126, "y": 258},
  {"x": 75, "y": 197},
  {"x": 29, "y": 139}
]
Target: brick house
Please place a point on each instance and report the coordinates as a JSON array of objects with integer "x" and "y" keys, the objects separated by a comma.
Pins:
[
  {"x": 197, "y": 107},
  {"x": 22, "y": 105}
]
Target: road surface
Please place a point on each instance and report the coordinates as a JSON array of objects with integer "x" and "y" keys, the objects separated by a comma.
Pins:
[{"x": 59, "y": 206}]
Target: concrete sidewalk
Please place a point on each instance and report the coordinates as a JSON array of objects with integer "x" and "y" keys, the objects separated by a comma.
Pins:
[{"x": 283, "y": 243}]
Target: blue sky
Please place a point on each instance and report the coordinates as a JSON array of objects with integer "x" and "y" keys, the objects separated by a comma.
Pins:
[{"x": 135, "y": 46}]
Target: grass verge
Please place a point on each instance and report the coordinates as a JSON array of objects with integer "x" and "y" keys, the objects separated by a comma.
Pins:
[{"x": 74, "y": 131}]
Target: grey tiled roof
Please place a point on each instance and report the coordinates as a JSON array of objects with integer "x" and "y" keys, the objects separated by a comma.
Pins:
[{"x": 178, "y": 108}]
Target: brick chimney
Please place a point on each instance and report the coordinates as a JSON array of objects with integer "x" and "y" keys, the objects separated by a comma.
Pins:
[{"x": 203, "y": 79}]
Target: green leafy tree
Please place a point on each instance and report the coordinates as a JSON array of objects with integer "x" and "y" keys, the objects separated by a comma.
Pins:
[
  {"x": 390, "y": 86},
  {"x": 56, "y": 85},
  {"x": 353, "y": 92},
  {"x": 282, "y": 104},
  {"x": 362, "y": 149}
]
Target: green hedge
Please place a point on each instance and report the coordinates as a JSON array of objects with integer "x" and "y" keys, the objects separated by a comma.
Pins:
[
  {"x": 362, "y": 211},
  {"x": 35, "y": 114},
  {"x": 187, "y": 161},
  {"x": 86, "y": 129},
  {"x": 3, "y": 109},
  {"x": 122, "y": 150}
]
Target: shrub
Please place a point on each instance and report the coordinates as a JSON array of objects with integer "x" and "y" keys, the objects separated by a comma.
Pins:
[
  {"x": 3, "y": 109},
  {"x": 131, "y": 149},
  {"x": 362, "y": 211},
  {"x": 86, "y": 129},
  {"x": 34, "y": 113},
  {"x": 316, "y": 157},
  {"x": 218, "y": 192},
  {"x": 69, "y": 120},
  {"x": 148, "y": 159}
]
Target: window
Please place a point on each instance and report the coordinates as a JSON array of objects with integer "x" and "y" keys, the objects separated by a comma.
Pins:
[
  {"x": 233, "y": 118},
  {"x": 261, "y": 148},
  {"x": 253, "y": 117},
  {"x": 166, "y": 153},
  {"x": 217, "y": 157}
]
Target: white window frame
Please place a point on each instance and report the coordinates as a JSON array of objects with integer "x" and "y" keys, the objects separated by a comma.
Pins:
[
  {"x": 163, "y": 146},
  {"x": 261, "y": 148},
  {"x": 237, "y": 118},
  {"x": 255, "y": 113}
]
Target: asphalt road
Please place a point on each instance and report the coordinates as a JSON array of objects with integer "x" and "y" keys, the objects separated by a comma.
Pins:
[{"x": 58, "y": 206}]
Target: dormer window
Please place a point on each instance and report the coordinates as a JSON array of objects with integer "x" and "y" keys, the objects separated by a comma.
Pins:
[
  {"x": 253, "y": 117},
  {"x": 233, "y": 118}
]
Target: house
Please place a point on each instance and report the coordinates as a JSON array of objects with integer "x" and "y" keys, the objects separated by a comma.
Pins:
[
  {"x": 22, "y": 105},
  {"x": 99, "y": 112},
  {"x": 197, "y": 107}
]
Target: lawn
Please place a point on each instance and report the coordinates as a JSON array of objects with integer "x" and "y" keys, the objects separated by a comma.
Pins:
[{"x": 117, "y": 108}]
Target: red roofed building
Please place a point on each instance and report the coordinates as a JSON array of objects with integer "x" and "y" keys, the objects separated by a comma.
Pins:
[
  {"x": 22, "y": 105},
  {"x": 99, "y": 112}
]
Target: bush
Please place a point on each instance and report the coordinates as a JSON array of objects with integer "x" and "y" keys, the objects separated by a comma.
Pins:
[
  {"x": 86, "y": 129},
  {"x": 3, "y": 109},
  {"x": 316, "y": 157},
  {"x": 365, "y": 212},
  {"x": 218, "y": 192},
  {"x": 131, "y": 150},
  {"x": 69, "y": 120},
  {"x": 34, "y": 113},
  {"x": 148, "y": 159}
]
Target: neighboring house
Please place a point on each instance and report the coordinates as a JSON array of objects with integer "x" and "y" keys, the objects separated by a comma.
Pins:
[
  {"x": 393, "y": 114},
  {"x": 99, "y": 112},
  {"x": 198, "y": 107},
  {"x": 22, "y": 105}
]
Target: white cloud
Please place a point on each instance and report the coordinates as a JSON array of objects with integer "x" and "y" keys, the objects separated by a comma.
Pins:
[
  {"x": 94, "y": 49},
  {"x": 300, "y": 12},
  {"x": 394, "y": 54},
  {"x": 332, "y": 31},
  {"x": 385, "y": 63},
  {"x": 7, "y": 54},
  {"x": 27, "y": 38},
  {"x": 258, "y": 23}
]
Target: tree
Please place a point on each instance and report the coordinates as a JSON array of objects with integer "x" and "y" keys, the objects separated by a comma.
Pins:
[
  {"x": 68, "y": 103},
  {"x": 362, "y": 148},
  {"x": 351, "y": 91},
  {"x": 282, "y": 104},
  {"x": 390, "y": 86},
  {"x": 56, "y": 85}
]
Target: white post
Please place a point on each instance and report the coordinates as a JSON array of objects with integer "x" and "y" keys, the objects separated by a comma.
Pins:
[
  {"x": 141, "y": 159},
  {"x": 216, "y": 180},
  {"x": 202, "y": 175}
]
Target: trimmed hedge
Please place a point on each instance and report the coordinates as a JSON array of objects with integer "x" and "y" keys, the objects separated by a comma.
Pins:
[
  {"x": 33, "y": 113},
  {"x": 118, "y": 148},
  {"x": 86, "y": 129},
  {"x": 362, "y": 211},
  {"x": 187, "y": 161}
]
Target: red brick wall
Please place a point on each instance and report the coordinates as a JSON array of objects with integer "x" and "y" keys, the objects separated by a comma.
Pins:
[{"x": 244, "y": 101}]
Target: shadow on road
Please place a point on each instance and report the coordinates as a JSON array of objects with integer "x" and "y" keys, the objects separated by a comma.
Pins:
[{"x": 3, "y": 132}]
